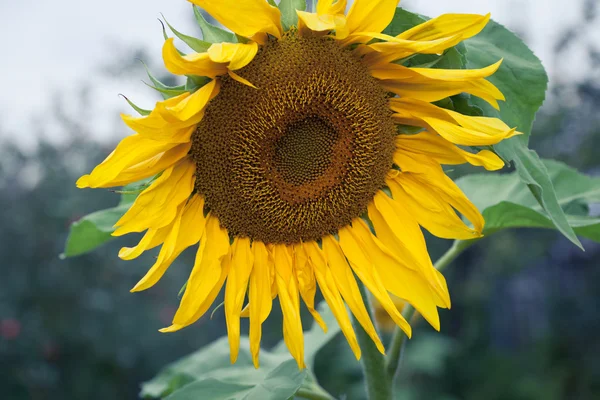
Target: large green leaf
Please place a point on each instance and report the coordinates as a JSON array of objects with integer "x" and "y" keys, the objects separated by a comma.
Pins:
[
  {"x": 506, "y": 201},
  {"x": 523, "y": 81},
  {"x": 288, "y": 12},
  {"x": 208, "y": 371}
]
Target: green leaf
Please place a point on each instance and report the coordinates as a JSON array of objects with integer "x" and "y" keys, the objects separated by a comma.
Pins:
[
  {"x": 523, "y": 81},
  {"x": 211, "y": 33},
  {"x": 195, "y": 44},
  {"x": 94, "y": 229},
  {"x": 288, "y": 9},
  {"x": 512, "y": 205},
  {"x": 209, "y": 369},
  {"x": 280, "y": 383}
]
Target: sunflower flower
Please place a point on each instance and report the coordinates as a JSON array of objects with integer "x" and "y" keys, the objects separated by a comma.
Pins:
[{"x": 289, "y": 171}]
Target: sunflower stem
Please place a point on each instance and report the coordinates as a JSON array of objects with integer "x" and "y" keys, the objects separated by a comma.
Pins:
[
  {"x": 378, "y": 383},
  {"x": 398, "y": 342}
]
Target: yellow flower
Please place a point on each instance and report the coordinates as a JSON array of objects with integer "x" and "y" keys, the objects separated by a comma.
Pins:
[{"x": 287, "y": 167}]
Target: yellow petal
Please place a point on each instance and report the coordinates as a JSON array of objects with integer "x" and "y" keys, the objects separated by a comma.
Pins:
[
  {"x": 259, "y": 296},
  {"x": 207, "y": 277},
  {"x": 392, "y": 48},
  {"x": 396, "y": 275},
  {"x": 444, "y": 152},
  {"x": 152, "y": 238},
  {"x": 399, "y": 231},
  {"x": 156, "y": 206},
  {"x": 185, "y": 231},
  {"x": 332, "y": 7},
  {"x": 437, "y": 90},
  {"x": 287, "y": 289},
  {"x": 235, "y": 291},
  {"x": 431, "y": 37},
  {"x": 370, "y": 15},
  {"x": 307, "y": 284},
  {"x": 458, "y": 74},
  {"x": 241, "y": 80},
  {"x": 130, "y": 152},
  {"x": 320, "y": 23},
  {"x": 432, "y": 214},
  {"x": 332, "y": 294},
  {"x": 193, "y": 64},
  {"x": 452, "y": 126},
  {"x": 244, "y": 17},
  {"x": 432, "y": 197},
  {"x": 364, "y": 269},
  {"x": 191, "y": 106},
  {"x": 152, "y": 166},
  {"x": 447, "y": 25},
  {"x": 238, "y": 55},
  {"x": 436, "y": 84},
  {"x": 210, "y": 298},
  {"x": 346, "y": 283}
]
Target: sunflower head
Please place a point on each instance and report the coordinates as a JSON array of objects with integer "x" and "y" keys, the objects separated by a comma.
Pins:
[{"x": 287, "y": 167}]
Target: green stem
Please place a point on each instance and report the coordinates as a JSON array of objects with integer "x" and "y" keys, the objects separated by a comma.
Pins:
[
  {"x": 378, "y": 384},
  {"x": 398, "y": 342}
]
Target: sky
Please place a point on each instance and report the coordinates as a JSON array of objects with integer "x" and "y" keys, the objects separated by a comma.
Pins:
[{"x": 54, "y": 48}]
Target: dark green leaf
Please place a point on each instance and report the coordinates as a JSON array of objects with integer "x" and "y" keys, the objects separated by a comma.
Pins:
[
  {"x": 288, "y": 9},
  {"x": 506, "y": 201},
  {"x": 195, "y": 44},
  {"x": 211, "y": 33}
]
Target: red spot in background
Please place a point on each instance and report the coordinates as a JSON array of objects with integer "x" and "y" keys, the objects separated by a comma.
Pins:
[{"x": 10, "y": 329}]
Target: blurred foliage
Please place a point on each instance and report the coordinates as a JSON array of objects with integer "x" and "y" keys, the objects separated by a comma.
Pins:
[{"x": 523, "y": 325}]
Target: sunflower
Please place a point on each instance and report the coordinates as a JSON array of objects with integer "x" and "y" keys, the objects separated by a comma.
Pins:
[{"x": 291, "y": 172}]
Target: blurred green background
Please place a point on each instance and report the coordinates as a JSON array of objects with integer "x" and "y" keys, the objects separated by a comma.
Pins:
[{"x": 524, "y": 323}]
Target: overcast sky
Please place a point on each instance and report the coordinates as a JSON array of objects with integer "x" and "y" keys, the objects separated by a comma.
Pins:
[{"x": 51, "y": 47}]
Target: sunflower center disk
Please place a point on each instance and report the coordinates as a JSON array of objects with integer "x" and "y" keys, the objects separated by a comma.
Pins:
[{"x": 302, "y": 155}]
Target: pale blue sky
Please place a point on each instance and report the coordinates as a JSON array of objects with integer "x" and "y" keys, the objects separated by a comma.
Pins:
[{"x": 53, "y": 46}]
